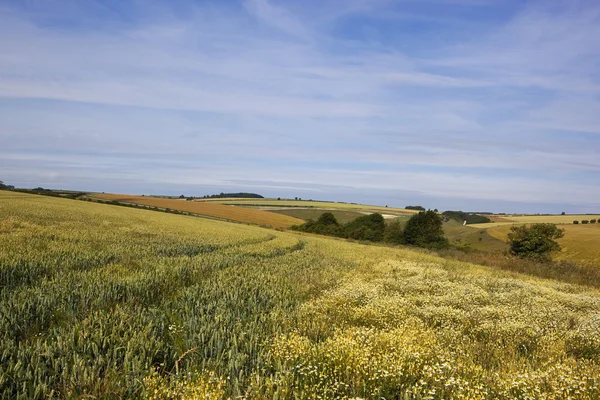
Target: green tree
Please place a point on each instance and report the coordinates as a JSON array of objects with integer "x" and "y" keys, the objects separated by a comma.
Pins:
[
  {"x": 536, "y": 241},
  {"x": 327, "y": 219},
  {"x": 393, "y": 232},
  {"x": 425, "y": 230},
  {"x": 367, "y": 227}
]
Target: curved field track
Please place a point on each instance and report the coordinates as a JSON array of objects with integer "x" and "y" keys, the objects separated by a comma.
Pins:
[{"x": 237, "y": 214}]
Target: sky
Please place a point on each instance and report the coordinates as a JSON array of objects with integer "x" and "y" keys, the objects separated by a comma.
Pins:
[{"x": 478, "y": 105}]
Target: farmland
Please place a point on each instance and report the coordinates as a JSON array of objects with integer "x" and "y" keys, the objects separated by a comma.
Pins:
[
  {"x": 207, "y": 209},
  {"x": 533, "y": 219},
  {"x": 580, "y": 242},
  {"x": 114, "y": 302},
  {"x": 342, "y": 216},
  {"x": 322, "y": 205}
]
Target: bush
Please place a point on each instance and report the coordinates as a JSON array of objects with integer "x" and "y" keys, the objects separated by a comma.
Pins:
[
  {"x": 592, "y": 221},
  {"x": 327, "y": 219},
  {"x": 537, "y": 241},
  {"x": 585, "y": 221},
  {"x": 418, "y": 208},
  {"x": 461, "y": 216},
  {"x": 575, "y": 222},
  {"x": 425, "y": 230},
  {"x": 393, "y": 233},
  {"x": 368, "y": 227},
  {"x": 327, "y": 224}
]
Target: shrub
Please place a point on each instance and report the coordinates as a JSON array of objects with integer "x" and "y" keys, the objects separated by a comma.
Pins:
[
  {"x": 537, "y": 241},
  {"x": 327, "y": 219},
  {"x": 575, "y": 222},
  {"x": 585, "y": 221},
  {"x": 368, "y": 227},
  {"x": 461, "y": 216},
  {"x": 592, "y": 221},
  {"x": 393, "y": 233},
  {"x": 425, "y": 230}
]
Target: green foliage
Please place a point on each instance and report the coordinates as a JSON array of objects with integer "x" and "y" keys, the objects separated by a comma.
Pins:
[
  {"x": 368, "y": 227},
  {"x": 327, "y": 219},
  {"x": 425, "y": 230},
  {"x": 575, "y": 222},
  {"x": 585, "y": 221},
  {"x": 536, "y": 241},
  {"x": 326, "y": 224},
  {"x": 461, "y": 216},
  {"x": 592, "y": 221},
  {"x": 393, "y": 233},
  {"x": 418, "y": 208}
]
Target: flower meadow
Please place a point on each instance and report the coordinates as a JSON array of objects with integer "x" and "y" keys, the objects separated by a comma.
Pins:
[{"x": 100, "y": 301}]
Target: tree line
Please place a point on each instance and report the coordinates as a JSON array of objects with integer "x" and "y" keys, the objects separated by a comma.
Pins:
[{"x": 423, "y": 229}]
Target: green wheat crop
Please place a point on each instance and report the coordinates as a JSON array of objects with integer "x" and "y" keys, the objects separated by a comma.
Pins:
[{"x": 102, "y": 301}]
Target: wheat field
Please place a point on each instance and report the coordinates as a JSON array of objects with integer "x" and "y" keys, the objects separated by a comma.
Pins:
[{"x": 101, "y": 301}]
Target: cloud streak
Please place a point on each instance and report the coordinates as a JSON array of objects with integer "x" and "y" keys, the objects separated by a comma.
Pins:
[{"x": 354, "y": 96}]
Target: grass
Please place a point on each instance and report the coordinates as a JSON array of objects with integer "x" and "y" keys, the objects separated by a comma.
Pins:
[
  {"x": 214, "y": 210},
  {"x": 102, "y": 301},
  {"x": 305, "y": 214},
  {"x": 478, "y": 239}
]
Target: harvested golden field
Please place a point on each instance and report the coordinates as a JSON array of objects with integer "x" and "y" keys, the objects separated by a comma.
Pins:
[
  {"x": 580, "y": 243},
  {"x": 99, "y": 301},
  {"x": 322, "y": 205},
  {"x": 238, "y": 214},
  {"x": 533, "y": 219}
]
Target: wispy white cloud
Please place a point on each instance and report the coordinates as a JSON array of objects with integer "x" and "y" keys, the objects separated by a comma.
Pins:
[{"x": 288, "y": 92}]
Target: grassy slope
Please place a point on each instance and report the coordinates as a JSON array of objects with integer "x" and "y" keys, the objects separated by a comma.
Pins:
[
  {"x": 461, "y": 235},
  {"x": 209, "y": 209},
  {"x": 96, "y": 297}
]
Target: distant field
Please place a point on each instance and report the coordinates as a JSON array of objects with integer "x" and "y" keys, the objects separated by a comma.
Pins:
[
  {"x": 239, "y": 214},
  {"x": 532, "y": 219},
  {"x": 478, "y": 239},
  {"x": 305, "y": 214},
  {"x": 580, "y": 243},
  {"x": 309, "y": 204},
  {"x": 343, "y": 216}
]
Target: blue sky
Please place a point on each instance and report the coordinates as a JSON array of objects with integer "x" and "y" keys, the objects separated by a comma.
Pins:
[{"x": 453, "y": 104}]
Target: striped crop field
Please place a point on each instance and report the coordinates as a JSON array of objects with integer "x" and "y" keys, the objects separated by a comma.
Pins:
[
  {"x": 102, "y": 301},
  {"x": 325, "y": 205},
  {"x": 238, "y": 214}
]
